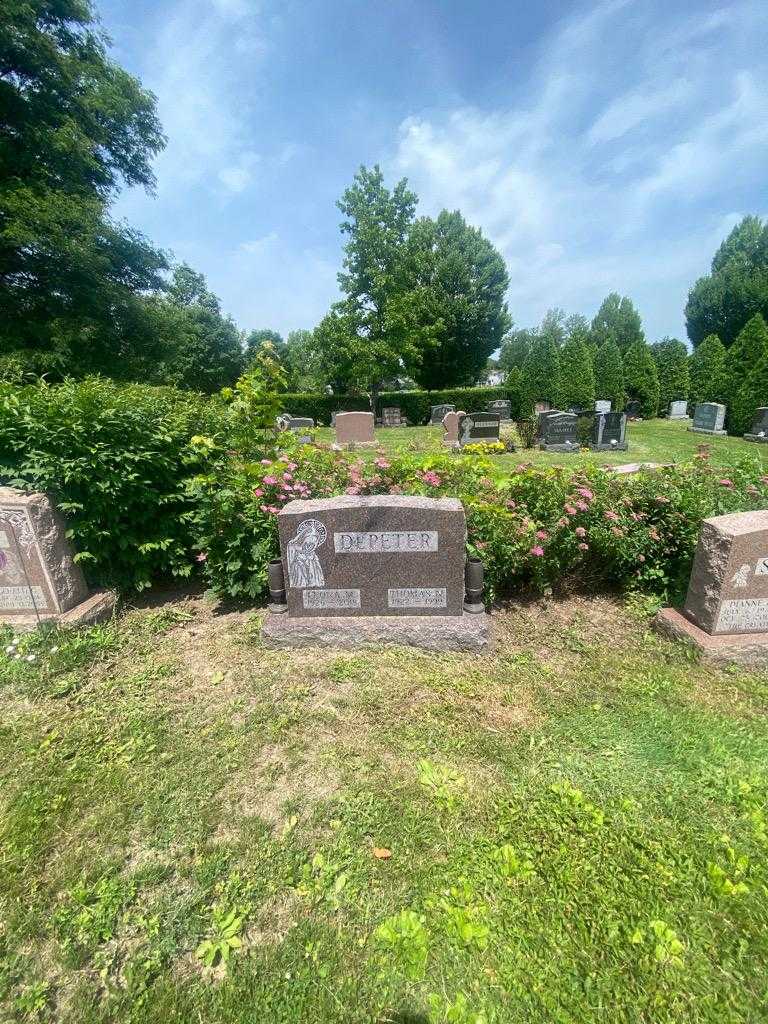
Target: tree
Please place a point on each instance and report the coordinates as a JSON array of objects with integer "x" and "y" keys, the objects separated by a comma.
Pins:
[
  {"x": 735, "y": 290},
  {"x": 747, "y": 351},
  {"x": 456, "y": 288},
  {"x": 671, "y": 358},
  {"x": 541, "y": 375},
  {"x": 617, "y": 320},
  {"x": 609, "y": 375},
  {"x": 707, "y": 371},
  {"x": 577, "y": 376},
  {"x": 74, "y": 127},
  {"x": 641, "y": 379},
  {"x": 751, "y": 395},
  {"x": 304, "y": 362},
  {"x": 372, "y": 334},
  {"x": 514, "y": 348}
]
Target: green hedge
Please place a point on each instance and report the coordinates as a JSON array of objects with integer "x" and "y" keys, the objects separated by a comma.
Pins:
[{"x": 414, "y": 405}]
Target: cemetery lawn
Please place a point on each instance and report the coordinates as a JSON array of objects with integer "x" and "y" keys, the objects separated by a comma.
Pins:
[
  {"x": 571, "y": 828},
  {"x": 649, "y": 441}
]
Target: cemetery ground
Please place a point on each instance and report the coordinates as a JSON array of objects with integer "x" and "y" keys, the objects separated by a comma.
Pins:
[
  {"x": 196, "y": 827},
  {"x": 657, "y": 440}
]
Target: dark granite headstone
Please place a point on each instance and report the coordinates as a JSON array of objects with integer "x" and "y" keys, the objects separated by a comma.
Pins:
[
  {"x": 502, "y": 407},
  {"x": 558, "y": 432},
  {"x": 382, "y": 555},
  {"x": 437, "y": 413},
  {"x": 609, "y": 432},
  {"x": 708, "y": 418},
  {"x": 632, "y": 409},
  {"x": 759, "y": 429},
  {"x": 476, "y": 427}
]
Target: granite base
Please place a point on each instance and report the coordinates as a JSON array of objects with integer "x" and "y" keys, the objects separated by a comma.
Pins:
[
  {"x": 96, "y": 608},
  {"x": 723, "y": 649},
  {"x": 623, "y": 447},
  {"x": 467, "y": 632},
  {"x": 756, "y": 437},
  {"x": 712, "y": 433},
  {"x": 565, "y": 449}
]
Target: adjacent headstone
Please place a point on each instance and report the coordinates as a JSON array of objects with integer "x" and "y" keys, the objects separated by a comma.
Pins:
[
  {"x": 602, "y": 405},
  {"x": 708, "y": 418},
  {"x": 451, "y": 428},
  {"x": 759, "y": 429},
  {"x": 39, "y": 579},
  {"x": 361, "y": 570},
  {"x": 678, "y": 410},
  {"x": 559, "y": 432},
  {"x": 391, "y": 416},
  {"x": 540, "y": 407},
  {"x": 609, "y": 432},
  {"x": 477, "y": 427},
  {"x": 438, "y": 411},
  {"x": 300, "y": 425},
  {"x": 632, "y": 409},
  {"x": 354, "y": 428},
  {"x": 726, "y": 610},
  {"x": 503, "y": 407}
]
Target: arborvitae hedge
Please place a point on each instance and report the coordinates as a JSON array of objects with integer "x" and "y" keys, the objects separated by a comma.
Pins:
[
  {"x": 414, "y": 405},
  {"x": 609, "y": 374},
  {"x": 641, "y": 378},
  {"x": 707, "y": 371},
  {"x": 747, "y": 351}
]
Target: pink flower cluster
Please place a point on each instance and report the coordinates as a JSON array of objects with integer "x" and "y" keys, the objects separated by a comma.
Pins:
[{"x": 284, "y": 482}]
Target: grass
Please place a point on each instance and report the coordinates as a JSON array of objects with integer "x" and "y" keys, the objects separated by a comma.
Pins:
[
  {"x": 571, "y": 828},
  {"x": 649, "y": 441}
]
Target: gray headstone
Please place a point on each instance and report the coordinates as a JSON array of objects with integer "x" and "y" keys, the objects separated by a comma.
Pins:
[
  {"x": 475, "y": 427},
  {"x": 438, "y": 411},
  {"x": 391, "y": 416},
  {"x": 558, "y": 432},
  {"x": 609, "y": 432},
  {"x": 708, "y": 418},
  {"x": 632, "y": 408},
  {"x": 540, "y": 407},
  {"x": 678, "y": 410},
  {"x": 380, "y": 555},
  {"x": 502, "y": 407},
  {"x": 602, "y": 405},
  {"x": 759, "y": 429}
]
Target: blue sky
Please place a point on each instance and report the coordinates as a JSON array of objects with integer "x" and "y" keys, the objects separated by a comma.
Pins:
[{"x": 601, "y": 146}]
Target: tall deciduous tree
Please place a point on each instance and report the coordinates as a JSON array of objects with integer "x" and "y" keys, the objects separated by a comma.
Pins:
[
  {"x": 671, "y": 358},
  {"x": 609, "y": 375},
  {"x": 514, "y": 348},
  {"x": 737, "y": 287},
  {"x": 617, "y": 320},
  {"x": 707, "y": 371},
  {"x": 74, "y": 126},
  {"x": 455, "y": 292},
  {"x": 641, "y": 379},
  {"x": 749, "y": 348}
]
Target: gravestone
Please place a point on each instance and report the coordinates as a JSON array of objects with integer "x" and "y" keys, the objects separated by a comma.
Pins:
[
  {"x": 632, "y": 409},
  {"x": 503, "y": 407},
  {"x": 540, "y": 407},
  {"x": 602, "y": 405},
  {"x": 759, "y": 429},
  {"x": 451, "y": 428},
  {"x": 609, "y": 432},
  {"x": 678, "y": 410},
  {"x": 391, "y": 416},
  {"x": 708, "y": 418},
  {"x": 39, "y": 579},
  {"x": 300, "y": 425},
  {"x": 385, "y": 568},
  {"x": 726, "y": 610},
  {"x": 354, "y": 428},
  {"x": 559, "y": 432},
  {"x": 438, "y": 412},
  {"x": 476, "y": 427}
]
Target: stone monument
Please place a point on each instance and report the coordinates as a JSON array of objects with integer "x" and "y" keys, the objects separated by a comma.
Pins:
[
  {"x": 602, "y": 405},
  {"x": 476, "y": 427},
  {"x": 678, "y": 410},
  {"x": 609, "y": 432},
  {"x": 356, "y": 571},
  {"x": 708, "y": 418},
  {"x": 354, "y": 428},
  {"x": 558, "y": 432},
  {"x": 503, "y": 407},
  {"x": 759, "y": 429},
  {"x": 632, "y": 409},
  {"x": 451, "y": 428},
  {"x": 725, "y": 614},
  {"x": 391, "y": 416},
  {"x": 438, "y": 412},
  {"x": 39, "y": 579}
]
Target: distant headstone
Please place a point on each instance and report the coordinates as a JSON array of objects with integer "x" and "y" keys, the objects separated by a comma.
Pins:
[
  {"x": 540, "y": 407},
  {"x": 632, "y": 409},
  {"x": 678, "y": 410},
  {"x": 558, "y": 432},
  {"x": 438, "y": 411},
  {"x": 354, "y": 428},
  {"x": 451, "y": 428},
  {"x": 391, "y": 416},
  {"x": 602, "y": 405},
  {"x": 609, "y": 432},
  {"x": 708, "y": 418},
  {"x": 726, "y": 610},
  {"x": 39, "y": 579},
  {"x": 475, "y": 427},
  {"x": 759, "y": 429},
  {"x": 389, "y": 568},
  {"x": 501, "y": 406}
]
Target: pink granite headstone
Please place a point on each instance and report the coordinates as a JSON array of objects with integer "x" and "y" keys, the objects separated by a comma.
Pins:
[
  {"x": 354, "y": 428},
  {"x": 451, "y": 428}
]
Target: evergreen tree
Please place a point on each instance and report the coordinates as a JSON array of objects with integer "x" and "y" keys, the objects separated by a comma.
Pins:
[
  {"x": 641, "y": 379},
  {"x": 513, "y": 383},
  {"x": 609, "y": 375},
  {"x": 577, "y": 378},
  {"x": 617, "y": 320},
  {"x": 541, "y": 375},
  {"x": 515, "y": 347},
  {"x": 671, "y": 358},
  {"x": 753, "y": 393},
  {"x": 708, "y": 379},
  {"x": 747, "y": 351}
]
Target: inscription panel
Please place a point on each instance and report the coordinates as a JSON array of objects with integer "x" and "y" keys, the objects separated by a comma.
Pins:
[
  {"x": 20, "y": 599},
  {"x": 417, "y": 597},
  {"x": 331, "y": 598},
  {"x": 385, "y": 541},
  {"x": 746, "y": 615}
]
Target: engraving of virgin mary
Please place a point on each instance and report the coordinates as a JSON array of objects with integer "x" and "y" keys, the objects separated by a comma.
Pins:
[{"x": 304, "y": 568}]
